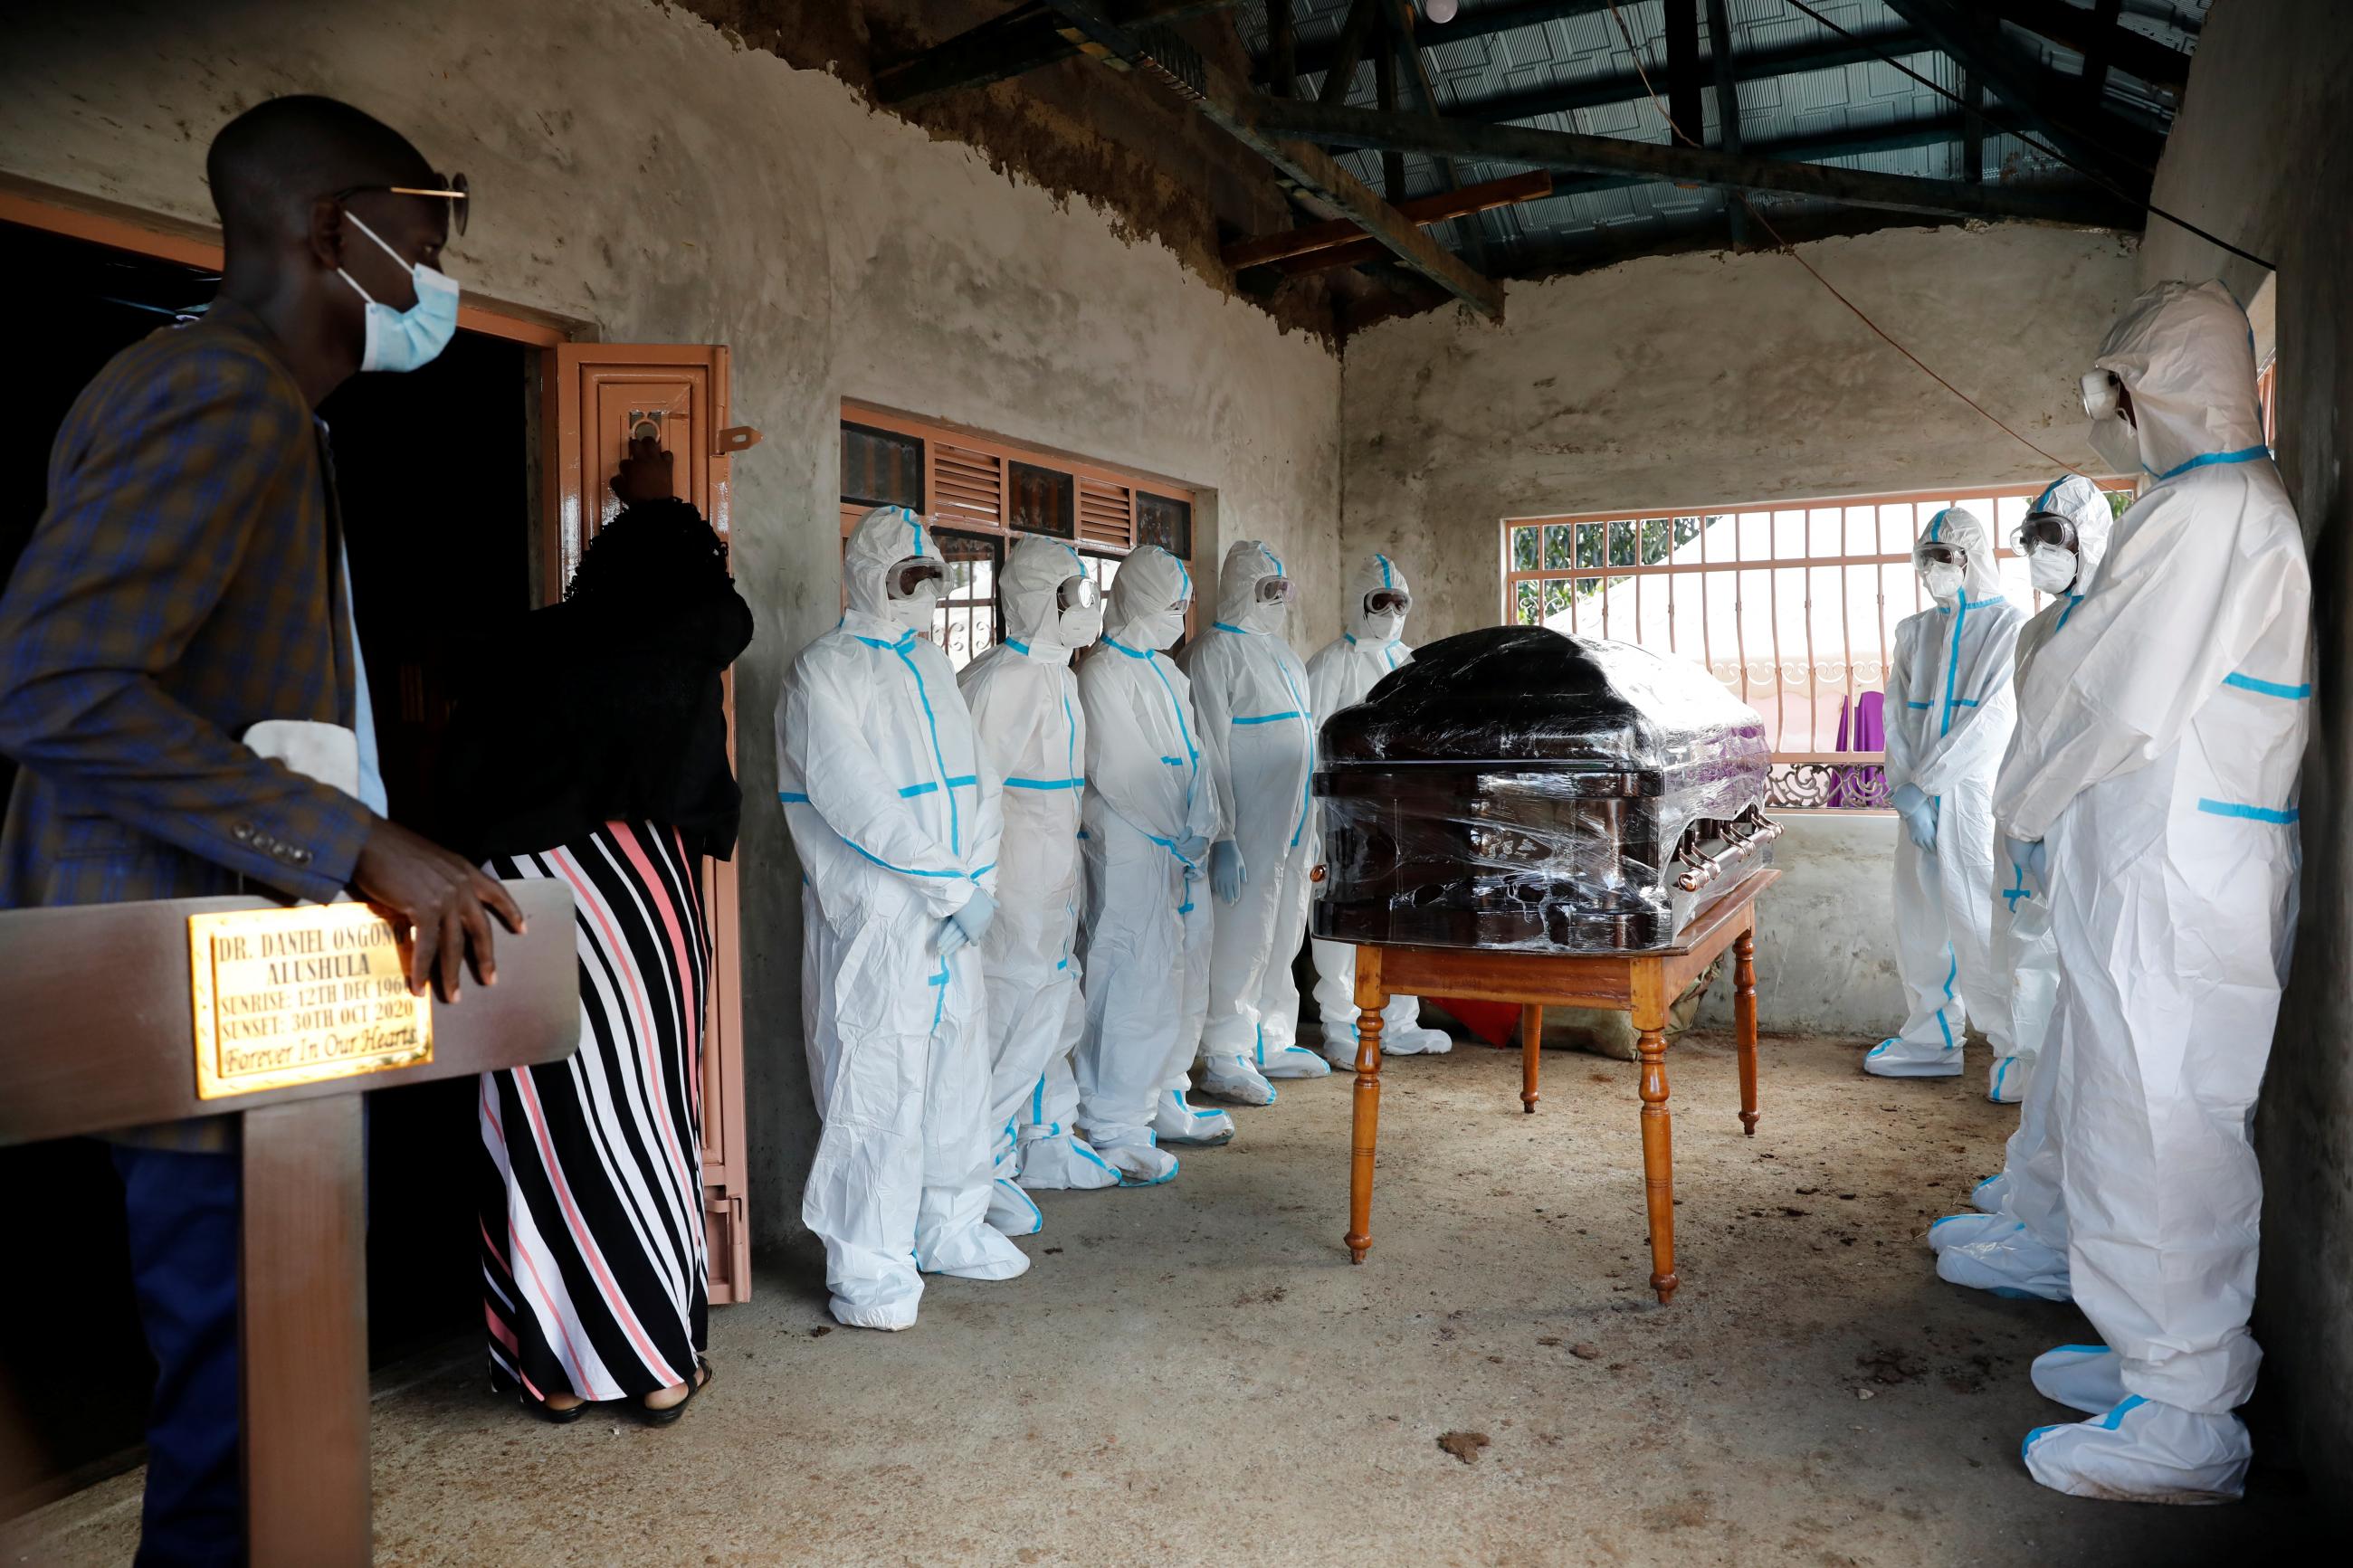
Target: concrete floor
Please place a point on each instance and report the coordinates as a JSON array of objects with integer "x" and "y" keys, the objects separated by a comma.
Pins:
[{"x": 1194, "y": 1373}]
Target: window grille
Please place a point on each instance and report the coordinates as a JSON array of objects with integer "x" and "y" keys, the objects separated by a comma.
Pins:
[{"x": 1792, "y": 604}]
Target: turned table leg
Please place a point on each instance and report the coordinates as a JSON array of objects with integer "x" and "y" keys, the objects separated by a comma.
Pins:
[
  {"x": 1370, "y": 1000},
  {"x": 1658, "y": 1162},
  {"x": 1744, "y": 1024},
  {"x": 1531, "y": 1048}
]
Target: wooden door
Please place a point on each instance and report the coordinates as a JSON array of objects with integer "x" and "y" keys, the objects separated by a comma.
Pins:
[{"x": 594, "y": 397}]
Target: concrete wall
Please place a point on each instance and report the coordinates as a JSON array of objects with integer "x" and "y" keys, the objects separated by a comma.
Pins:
[
  {"x": 639, "y": 174},
  {"x": 2261, "y": 156},
  {"x": 1715, "y": 379},
  {"x": 1825, "y": 963}
]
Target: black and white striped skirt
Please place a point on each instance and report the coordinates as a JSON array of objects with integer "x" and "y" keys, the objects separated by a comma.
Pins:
[{"x": 593, "y": 1274}]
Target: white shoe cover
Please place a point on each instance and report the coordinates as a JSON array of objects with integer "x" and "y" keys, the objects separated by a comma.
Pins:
[
  {"x": 1992, "y": 1194},
  {"x": 2089, "y": 1378},
  {"x": 892, "y": 1308},
  {"x": 979, "y": 1253},
  {"x": 2142, "y": 1451},
  {"x": 1893, "y": 1059},
  {"x": 2006, "y": 1083},
  {"x": 2011, "y": 1263},
  {"x": 1140, "y": 1164},
  {"x": 1176, "y": 1119},
  {"x": 1294, "y": 1061},
  {"x": 1062, "y": 1162},
  {"x": 1417, "y": 1042},
  {"x": 1959, "y": 1229},
  {"x": 1010, "y": 1210},
  {"x": 1233, "y": 1077}
]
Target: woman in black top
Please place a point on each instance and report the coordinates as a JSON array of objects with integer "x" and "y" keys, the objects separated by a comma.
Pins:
[{"x": 596, "y": 753}]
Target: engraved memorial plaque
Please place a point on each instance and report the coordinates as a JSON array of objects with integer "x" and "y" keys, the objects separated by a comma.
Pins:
[{"x": 291, "y": 996}]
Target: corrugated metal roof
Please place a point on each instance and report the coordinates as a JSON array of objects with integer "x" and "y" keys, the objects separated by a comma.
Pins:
[{"x": 1863, "y": 115}]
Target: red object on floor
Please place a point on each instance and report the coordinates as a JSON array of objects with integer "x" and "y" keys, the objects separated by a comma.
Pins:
[{"x": 1494, "y": 1022}]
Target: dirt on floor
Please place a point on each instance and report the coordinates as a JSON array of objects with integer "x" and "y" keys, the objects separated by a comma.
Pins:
[{"x": 1194, "y": 1373}]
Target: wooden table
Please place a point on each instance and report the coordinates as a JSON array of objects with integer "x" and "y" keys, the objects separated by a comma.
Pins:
[
  {"x": 97, "y": 1003},
  {"x": 1643, "y": 984}
]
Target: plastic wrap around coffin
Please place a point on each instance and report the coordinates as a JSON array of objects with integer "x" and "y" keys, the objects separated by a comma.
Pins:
[{"x": 1517, "y": 788}]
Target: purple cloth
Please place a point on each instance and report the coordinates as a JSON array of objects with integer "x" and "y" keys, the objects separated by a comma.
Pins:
[{"x": 1864, "y": 785}]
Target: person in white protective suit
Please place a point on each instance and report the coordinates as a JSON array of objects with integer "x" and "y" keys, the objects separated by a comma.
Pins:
[
  {"x": 1374, "y": 613},
  {"x": 1259, "y": 736},
  {"x": 2153, "y": 788},
  {"x": 1151, "y": 813},
  {"x": 896, "y": 822},
  {"x": 1025, "y": 707},
  {"x": 1949, "y": 708},
  {"x": 2017, "y": 1244}
]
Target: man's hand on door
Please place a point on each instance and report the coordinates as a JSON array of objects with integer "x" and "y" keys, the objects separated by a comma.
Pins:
[{"x": 645, "y": 473}]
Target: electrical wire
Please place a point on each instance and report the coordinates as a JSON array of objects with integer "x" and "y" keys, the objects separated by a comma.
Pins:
[
  {"x": 1790, "y": 251},
  {"x": 2143, "y": 203}
]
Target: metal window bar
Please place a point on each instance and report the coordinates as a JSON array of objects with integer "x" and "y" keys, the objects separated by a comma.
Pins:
[{"x": 1564, "y": 561}]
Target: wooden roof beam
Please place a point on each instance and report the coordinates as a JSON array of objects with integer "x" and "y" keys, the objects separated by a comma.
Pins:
[
  {"x": 1572, "y": 153},
  {"x": 1310, "y": 238},
  {"x": 1023, "y": 39},
  {"x": 1308, "y": 170}
]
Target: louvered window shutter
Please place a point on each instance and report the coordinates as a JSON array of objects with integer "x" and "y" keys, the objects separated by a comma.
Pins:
[
  {"x": 1106, "y": 514},
  {"x": 966, "y": 485}
]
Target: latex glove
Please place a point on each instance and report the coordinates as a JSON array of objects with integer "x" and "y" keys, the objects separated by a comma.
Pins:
[
  {"x": 968, "y": 924},
  {"x": 1226, "y": 873},
  {"x": 2029, "y": 857},
  {"x": 1190, "y": 851},
  {"x": 1919, "y": 813}
]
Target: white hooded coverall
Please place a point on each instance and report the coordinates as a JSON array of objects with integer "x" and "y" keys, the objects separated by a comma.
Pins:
[
  {"x": 2017, "y": 1243},
  {"x": 895, "y": 821},
  {"x": 1152, "y": 808},
  {"x": 1260, "y": 735},
  {"x": 2158, "y": 763},
  {"x": 1025, "y": 707},
  {"x": 1949, "y": 707},
  {"x": 1338, "y": 677}
]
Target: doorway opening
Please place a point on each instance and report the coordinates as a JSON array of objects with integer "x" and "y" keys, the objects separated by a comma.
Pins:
[{"x": 437, "y": 471}]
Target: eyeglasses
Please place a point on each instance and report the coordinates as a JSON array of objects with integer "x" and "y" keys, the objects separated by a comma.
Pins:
[
  {"x": 452, "y": 190},
  {"x": 1388, "y": 601},
  {"x": 1276, "y": 591},
  {"x": 2046, "y": 528},
  {"x": 1948, "y": 554},
  {"x": 908, "y": 577},
  {"x": 1079, "y": 594}
]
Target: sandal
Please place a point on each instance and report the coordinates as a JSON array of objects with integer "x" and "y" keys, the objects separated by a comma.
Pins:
[
  {"x": 554, "y": 1415},
  {"x": 669, "y": 1414}
]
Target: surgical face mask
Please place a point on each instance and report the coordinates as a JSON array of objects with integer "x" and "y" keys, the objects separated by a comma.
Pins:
[
  {"x": 1386, "y": 628},
  {"x": 1944, "y": 581},
  {"x": 2117, "y": 443},
  {"x": 2051, "y": 568},
  {"x": 914, "y": 612},
  {"x": 404, "y": 340},
  {"x": 1079, "y": 628},
  {"x": 1160, "y": 629}
]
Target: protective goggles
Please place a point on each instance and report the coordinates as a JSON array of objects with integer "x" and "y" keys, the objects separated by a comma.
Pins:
[
  {"x": 453, "y": 190},
  {"x": 1945, "y": 554},
  {"x": 912, "y": 575},
  {"x": 2046, "y": 528},
  {"x": 1388, "y": 601},
  {"x": 2101, "y": 390},
  {"x": 1276, "y": 590},
  {"x": 1078, "y": 594}
]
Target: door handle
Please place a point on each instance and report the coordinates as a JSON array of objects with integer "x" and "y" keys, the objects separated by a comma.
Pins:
[{"x": 734, "y": 438}]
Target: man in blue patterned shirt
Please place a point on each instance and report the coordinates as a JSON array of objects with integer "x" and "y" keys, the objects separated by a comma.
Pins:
[{"x": 184, "y": 585}]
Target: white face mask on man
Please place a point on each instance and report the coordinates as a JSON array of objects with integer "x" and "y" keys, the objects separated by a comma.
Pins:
[
  {"x": 2116, "y": 443},
  {"x": 1159, "y": 630},
  {"x": 1942, "y": 579},
  {"x": 2051, "y": 568}
]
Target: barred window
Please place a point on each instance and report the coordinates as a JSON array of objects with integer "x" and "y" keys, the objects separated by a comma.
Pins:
[{"x": 1792, "y": 604}]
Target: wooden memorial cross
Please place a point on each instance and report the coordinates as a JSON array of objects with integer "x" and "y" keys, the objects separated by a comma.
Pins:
[{"x": 122, "y": 1015}]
